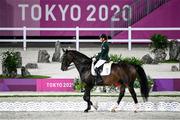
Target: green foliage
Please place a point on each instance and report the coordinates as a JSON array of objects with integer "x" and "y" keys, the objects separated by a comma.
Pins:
[
  {"x": 150, "y": 82},
  {"x": 34, "y": 76},
  {"x": 129, "y": 60},
  {"x": 133, "y": 60},
  {"x": 159, "y": 41},
  {"x": 10, "y": 62},
  {"x": 136, "y": 84},
  {"x": 115, "y": 58},
  {"x": 170, "y": 61},
  {"x": 28, "y": 76},
  {"x": 78, "y": 85}
]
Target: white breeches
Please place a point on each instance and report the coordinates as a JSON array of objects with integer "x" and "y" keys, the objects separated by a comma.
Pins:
[{"x": 99, "y": 63}]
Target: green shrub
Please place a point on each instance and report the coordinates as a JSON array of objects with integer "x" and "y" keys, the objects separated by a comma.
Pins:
[
  {"x": 10, "y": 63},
  {"x": 129, "y": 60},
  {"x": 133, "y": 60},
  {"x": 78, "y": 85},
  {"x": 115, "y": 58},
  {"x": 158, "y": 41},
  {"x": 150, "y": 82}
]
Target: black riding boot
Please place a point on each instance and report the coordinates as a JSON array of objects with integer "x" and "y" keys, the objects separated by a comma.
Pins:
[{"x": 98, "y": 79}]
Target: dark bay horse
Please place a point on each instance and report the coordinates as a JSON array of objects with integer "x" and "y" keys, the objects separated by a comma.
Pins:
[{"x": 121, "y": 73}]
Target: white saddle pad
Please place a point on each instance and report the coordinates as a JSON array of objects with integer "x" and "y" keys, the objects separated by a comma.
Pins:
[{"x": 106, "y": 69}]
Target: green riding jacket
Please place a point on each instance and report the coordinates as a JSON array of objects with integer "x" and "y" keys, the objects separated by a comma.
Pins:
[{"x": 104, "y": 52}]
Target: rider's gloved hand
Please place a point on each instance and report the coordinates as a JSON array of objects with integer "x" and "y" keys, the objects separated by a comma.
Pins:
[{"x": 94, "y": 59}]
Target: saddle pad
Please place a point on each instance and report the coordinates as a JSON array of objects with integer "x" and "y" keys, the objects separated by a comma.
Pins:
[{"x": 105, "y": 71}]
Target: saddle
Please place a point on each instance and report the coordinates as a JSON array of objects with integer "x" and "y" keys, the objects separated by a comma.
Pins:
[{"x": 106, "y": 69}]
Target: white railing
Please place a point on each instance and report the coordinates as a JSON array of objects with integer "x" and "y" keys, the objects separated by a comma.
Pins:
[{"x": 129, "y": 40}]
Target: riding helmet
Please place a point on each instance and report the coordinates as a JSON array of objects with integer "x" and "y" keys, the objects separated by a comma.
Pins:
[{"x": 103, "y": 36}]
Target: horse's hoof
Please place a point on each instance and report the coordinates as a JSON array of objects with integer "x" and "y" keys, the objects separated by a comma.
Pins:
[
  {"x": 113, "y": 110},
  {"x": 136, "y": 108},
  {"x": 86, "y": 111}
]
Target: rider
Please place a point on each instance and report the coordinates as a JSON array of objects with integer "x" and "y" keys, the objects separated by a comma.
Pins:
[{"x": 101, "y": 57}]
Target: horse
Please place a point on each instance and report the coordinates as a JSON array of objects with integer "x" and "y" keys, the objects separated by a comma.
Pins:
[{"x": 122, "y": 73}]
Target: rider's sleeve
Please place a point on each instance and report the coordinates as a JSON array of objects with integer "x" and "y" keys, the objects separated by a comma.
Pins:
[
  {"x": 104, "y": 50},
  {"x": 98, "y": 56}
]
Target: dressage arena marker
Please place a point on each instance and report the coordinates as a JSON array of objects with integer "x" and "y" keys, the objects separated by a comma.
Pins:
[{"x": 81, "y": 106}]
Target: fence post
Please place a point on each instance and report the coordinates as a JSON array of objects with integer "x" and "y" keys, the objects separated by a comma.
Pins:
[
  {"x": 129, "y": 38},
  {"x": 24, "y": 38},
  {"x": 77, "y": 38}
]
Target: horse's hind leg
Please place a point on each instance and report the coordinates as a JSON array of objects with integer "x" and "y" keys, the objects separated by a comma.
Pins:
[
  {"x": 133, "y": 94},
  {"x": 86, "y": 97},
  {"x": 121, "y": 95}
]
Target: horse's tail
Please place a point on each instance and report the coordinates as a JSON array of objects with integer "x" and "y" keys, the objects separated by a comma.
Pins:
[{"x": 143, "y": 82}]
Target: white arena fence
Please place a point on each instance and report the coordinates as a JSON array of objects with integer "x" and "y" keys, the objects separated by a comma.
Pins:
[{"x": 129, "y": 40}]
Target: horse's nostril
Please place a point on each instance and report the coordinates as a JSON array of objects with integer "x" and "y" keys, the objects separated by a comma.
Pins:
[{"x": 64, "y": 69}]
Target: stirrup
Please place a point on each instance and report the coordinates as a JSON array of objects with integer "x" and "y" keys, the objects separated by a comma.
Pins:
[{"x": 99, "y": 82}]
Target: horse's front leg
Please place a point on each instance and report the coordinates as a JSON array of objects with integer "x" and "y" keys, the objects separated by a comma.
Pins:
[{"x": 86, "y": 97}]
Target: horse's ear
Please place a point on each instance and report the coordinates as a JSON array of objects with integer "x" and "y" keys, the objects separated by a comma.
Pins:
[{"x": 63, "y": 50}]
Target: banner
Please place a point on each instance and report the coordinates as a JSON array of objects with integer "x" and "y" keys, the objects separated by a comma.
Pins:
[
  {"x": 61, "y": 85},
  {"x": 62, "y": 14}
]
